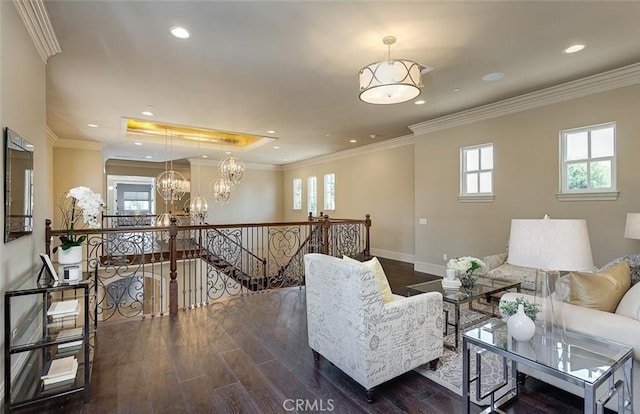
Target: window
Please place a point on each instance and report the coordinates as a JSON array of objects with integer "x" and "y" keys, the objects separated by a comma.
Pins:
[
  {"x": 588, "y": 159},
  {"x": 477, "y": 171},
  {"x": 297, "y": 193},
  {"x": 312, "y": 195},
  {"x": 330, "y": 191}
]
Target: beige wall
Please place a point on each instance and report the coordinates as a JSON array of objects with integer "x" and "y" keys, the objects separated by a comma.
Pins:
[
  {"x": 257, "y": 199},
  {"x": 526, "y": 153},
  {"x": 72, "y": 168},
  {"x": 378, "y": 181},
  {"x": 22, "y": 108}
]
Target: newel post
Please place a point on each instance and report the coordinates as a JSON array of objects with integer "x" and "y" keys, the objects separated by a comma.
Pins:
[
  {"x": 367, "y": 246},
  {"x": 173, "y": 267},
  {"x": 326, "y": 226},
  {"x": 47, "y": 237}
]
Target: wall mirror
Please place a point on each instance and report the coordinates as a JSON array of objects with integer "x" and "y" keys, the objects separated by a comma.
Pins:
[{"x": 18, "y": 182}]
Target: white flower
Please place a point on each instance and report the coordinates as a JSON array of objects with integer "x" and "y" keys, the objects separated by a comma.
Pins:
[
  {"x": 465, "y": 263},
  {"x": 89, "y": 203}
]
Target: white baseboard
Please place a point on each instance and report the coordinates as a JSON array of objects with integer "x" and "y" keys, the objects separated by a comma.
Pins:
[
  {"x": 432, "y": 269},
  {"x": 388, "y": 254}
]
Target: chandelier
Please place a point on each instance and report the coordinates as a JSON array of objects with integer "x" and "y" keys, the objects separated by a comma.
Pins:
[
  {"x": 391, "y": 81},
  {"x": 221, "y": 190},
  {"x": 232, "y": 169},
  {"x": 198, "y": 205},
  {"x": 170, "y": 184}
]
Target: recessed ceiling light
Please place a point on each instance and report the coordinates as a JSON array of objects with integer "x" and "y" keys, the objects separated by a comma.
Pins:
[
  {"x": 327, "y": 134},
  {"x": 137, "y": 143},
  {"x": 492, "y": 77},
  {"x": 276, "y": 147},
  {"x": 285, "y": 159},
  {"x": 271, "y": 131},
  {"x": 420, "y": 102},
  {"x": 353, "y": 141},
  {"x": 373, "y": 136},
  {"x": 205, "y": 156},
  {"x": 228, "y": 152},
  {"x": 92, "y": 125},
  {"x": 148, "y": 156},
  {"x": 574, "y": 49},
  {"x": 456, "y": 89},
  {"x": 180, "y": 32},
  {"x": 147, "y": 113}
]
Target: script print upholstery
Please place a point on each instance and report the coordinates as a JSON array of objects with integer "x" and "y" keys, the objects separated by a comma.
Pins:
[{"x": 370, "y": 341}]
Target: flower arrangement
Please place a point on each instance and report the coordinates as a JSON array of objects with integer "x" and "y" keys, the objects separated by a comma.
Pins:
[
  {"x": 510, "y": 307},
  {"x": 466, "y": 265},
  {"x": 84, "y": 203}
]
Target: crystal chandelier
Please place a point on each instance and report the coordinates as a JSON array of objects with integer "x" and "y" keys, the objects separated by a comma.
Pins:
[
  {"x": 198, "y": 208},
  {"x": 391, "y": 81},
  {"x": 232, "y": 169},
  {"x": 170, "y": 184},
  {"x": 221, "y": 189}
]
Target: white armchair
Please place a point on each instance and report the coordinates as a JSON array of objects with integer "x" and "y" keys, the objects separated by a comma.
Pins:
[{"x": 369, "y": 340}]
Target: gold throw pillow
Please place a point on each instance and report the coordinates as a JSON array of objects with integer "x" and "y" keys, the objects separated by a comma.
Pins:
[
  {"x": 375, "y": 266},
  {"x": 601, "y": 290}
]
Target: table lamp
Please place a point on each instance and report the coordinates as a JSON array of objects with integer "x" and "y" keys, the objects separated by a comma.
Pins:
[
  {"x": 550, "y": 246},
  {"x": 632, "y": 228}
]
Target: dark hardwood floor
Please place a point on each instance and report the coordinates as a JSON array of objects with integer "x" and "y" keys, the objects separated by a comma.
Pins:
[{"x": 250, "y": 355}]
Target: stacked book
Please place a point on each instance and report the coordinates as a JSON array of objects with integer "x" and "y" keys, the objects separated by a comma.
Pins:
[
  {"x": 63, "y": 312},
  {"x": 60, "y": 372},
  {"x": 451, "y": 284},
  {"x": 69, "y": 348}
]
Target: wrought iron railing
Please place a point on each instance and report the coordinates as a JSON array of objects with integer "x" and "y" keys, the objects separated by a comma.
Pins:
[{"x": 141, "y": 270}]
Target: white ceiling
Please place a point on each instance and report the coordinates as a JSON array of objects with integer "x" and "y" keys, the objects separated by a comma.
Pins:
[{"x": 292, "y": 66}]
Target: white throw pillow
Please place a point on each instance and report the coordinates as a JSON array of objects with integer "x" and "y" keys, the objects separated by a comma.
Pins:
[
  {"x": 375, "y": 266},
  {"x": 629, "y": 305}
]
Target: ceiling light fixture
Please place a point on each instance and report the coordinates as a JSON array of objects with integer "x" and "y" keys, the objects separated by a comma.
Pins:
[
  {"x": 180, "y": 32},
  {"x": 147, "y": 113},
  {"x": 170, "y": 183},
  {"x": 353, "y": 141},
  {"x": 574, "y": 49},
  {"x": 232, "y": 169},
  {"x": 271, "y": 131},
  {"x": 494, "y": 76},
  {"x": 391, "y": 81},
  {"x": 92, "y": 125},
  {"x": 420, "y": 102},
  {"x": 221, "y": 190}
]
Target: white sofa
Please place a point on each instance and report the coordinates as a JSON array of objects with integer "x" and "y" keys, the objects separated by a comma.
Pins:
[
  {"x": 623, "y": 326},
  {"x": 369, "y": 340}
]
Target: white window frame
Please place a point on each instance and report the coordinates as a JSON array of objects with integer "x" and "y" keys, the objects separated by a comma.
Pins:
[
  {"x": 297, "y": 193},
  {"x": 587, "y": 194},
  {"x": 312, "y": 195},
  {"x": 475, "y": 197},
  {"x": 330, "y": 192}
]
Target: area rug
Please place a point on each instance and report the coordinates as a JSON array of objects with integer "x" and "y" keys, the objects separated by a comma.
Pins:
[{"x": 449, "y": 371}]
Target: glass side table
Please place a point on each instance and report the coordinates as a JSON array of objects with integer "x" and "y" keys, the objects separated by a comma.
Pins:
[{"x": 585, "y": 361}]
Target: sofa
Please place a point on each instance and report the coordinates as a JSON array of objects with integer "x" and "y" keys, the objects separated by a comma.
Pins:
[
  {"x": 350, "y": 324},
  {"x": 496, "y": 267},
  {"x": 620, "y": 325}
]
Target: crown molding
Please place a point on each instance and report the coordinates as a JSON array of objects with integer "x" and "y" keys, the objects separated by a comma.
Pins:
[
  {"x": 79, "y": 144},
  {"x": 365, "y": 149},
  {"x": 591, "y": 85},
  {"x": 216, "y": 163},
  {"x": 36, "y": 19},
  {"x": 52, "y": 138}
]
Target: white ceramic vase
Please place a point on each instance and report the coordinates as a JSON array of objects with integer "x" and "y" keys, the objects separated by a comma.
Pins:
[
  {"x": 70, "y": 263},
  {"x": 520, "y": 326}
]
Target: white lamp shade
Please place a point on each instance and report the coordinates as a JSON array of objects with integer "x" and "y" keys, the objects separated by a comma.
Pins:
[
  {"x": 632, "y": 228},
  {"x": 390, "y": 81},
  {"x": 550, "y": 244}
]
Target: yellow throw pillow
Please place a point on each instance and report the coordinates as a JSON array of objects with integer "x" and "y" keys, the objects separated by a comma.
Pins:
[
  {"x": 375, "y": 266},
  {"x": 602, "y": 290}
]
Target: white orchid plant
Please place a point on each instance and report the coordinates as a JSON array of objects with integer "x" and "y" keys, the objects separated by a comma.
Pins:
[
  {"x": 465, "y": 264},
  {"x": 84, "y": 203}
]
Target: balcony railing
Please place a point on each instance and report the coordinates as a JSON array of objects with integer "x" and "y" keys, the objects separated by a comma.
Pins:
[{"x": 141, "y": 270}]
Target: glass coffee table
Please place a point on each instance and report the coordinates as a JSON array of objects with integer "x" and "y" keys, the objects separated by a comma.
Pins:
[
  {"x": 585, "y": 361},
  {"x": 483, "y": 289}
]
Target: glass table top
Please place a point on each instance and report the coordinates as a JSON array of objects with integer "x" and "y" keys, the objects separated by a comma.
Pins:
[
  {"x": 579, "y": 356},
  {"x": 483, "y": 287}
]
